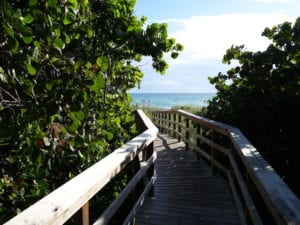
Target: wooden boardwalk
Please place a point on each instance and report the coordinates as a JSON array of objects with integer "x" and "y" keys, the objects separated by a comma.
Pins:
[{"x": 186, "y": 192}]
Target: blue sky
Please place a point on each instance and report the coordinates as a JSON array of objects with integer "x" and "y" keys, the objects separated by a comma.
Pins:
[{"x": 207, "y": 28}]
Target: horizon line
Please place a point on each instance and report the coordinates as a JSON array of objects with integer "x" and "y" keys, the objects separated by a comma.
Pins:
[{"x": 171, "y": 92}]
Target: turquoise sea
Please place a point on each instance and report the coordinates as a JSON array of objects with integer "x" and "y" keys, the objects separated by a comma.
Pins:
[{"x": 168, "y": 100}]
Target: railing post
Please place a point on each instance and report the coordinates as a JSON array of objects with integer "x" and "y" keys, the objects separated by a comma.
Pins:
[
  {"x": 85, "y": 214},
  {"x": 81, "y": 217},
  {"x": 162, "y": 122},
  {"x": 153, "y": 117},
  {"x": 166, "y": 123},
  {"x": 139, "y": 123},
  {"x": 151, "y": 171},
  {"x": 213, "y": 168},
  {"x": 187, "y": 133},
  {"x": 179, "y": 127},
  {"x": 174, "y": 125},
  {"x": 198, "y": 132},
  {"x": 163, "y": 115},
  {"x": 169, "y": 124},
  {"x": 158, "y": 118}
]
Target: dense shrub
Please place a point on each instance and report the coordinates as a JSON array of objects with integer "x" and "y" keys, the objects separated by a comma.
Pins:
[
  {"x": 261, "y": 96},
  {"x": 65, "y": 69}
]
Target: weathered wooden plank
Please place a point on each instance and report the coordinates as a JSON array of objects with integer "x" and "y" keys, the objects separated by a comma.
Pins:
[
  {"x": 61, "y": 204},
  {"x": 283, "y": 204},
  {"x": 185, "y": 191},
  {"x": 85, "y": 214},
  {"x": 220, "y": 148},
  {"x": 279, "y": 199},
  {"x": 245, "y": 192},
  {"x": 139, "y": 202},
  {"x": 220, "y": 127},
  {"x": 115, "y": 205},
  {"x": 237, "y": 201},
  {"x": 188, "y": 210}
]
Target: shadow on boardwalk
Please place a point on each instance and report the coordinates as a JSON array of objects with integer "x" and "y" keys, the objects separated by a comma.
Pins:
[{"x": 186, "y": 192}]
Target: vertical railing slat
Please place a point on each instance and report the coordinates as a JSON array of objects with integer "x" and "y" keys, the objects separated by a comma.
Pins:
[
  {"x": 85, "y": 214},
  {"x": 198, "y": 141},
  {"x": 179, "y": 127},
  {"x": 71, "y": 200},
  {"x": 187, "y": 133},
  {"x": 213, "y": 168},
  {"x": 169, "y": 123},
  {"x": 260, "y": 182},
  {"x": 174, "y": 125}
]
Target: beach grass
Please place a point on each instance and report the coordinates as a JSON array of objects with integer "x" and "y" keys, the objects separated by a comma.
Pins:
[{"x": 189, "y": 108}]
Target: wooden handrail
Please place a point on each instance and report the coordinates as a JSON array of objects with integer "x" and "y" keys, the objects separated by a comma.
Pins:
[
  {"x": 255, "y": 185},
  {"x": 61, "y": 204}
]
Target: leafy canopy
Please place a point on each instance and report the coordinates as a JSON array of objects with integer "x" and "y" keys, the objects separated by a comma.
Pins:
[
  {"x": 261, "y": 96},
  {"x": 65, "y": 69}
]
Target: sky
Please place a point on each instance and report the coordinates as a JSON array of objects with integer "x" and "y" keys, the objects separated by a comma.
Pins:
[{"x": 206, "y": 28}]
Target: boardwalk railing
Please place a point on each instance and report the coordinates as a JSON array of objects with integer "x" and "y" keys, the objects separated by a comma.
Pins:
[
  {"x": 259, "y": 193},
  {"x": 60, "y": 205}
]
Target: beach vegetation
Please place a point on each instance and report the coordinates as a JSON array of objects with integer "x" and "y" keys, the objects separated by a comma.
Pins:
[
  {"x": 65, "y": 69},
  {"x": 189, "y": 108},
  {"x": 261, "y": 96}
]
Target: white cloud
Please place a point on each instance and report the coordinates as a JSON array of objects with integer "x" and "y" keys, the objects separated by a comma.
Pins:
[{"x": 207, "y": 37}]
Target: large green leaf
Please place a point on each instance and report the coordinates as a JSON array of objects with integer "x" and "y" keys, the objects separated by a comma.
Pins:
[
  {"x": 74, "y": 3},
  {"x": 174, "y": 55},
  {"x": 67, "y": 38},
  {"x": 9, "y": 30},
  {"x": 28, "y": 18},
  {"x": 76, "y": 118},
  {"x": 52, "y": 3},
  {"x": 69, "y": 18},
  {"x": 103, "y": 63},
  {"x": 27, "y": 39},
  {"x": 108, "y": 135},
  {"x": 58, "y": 43},
  {"x": 13, "y": 45},
  {"x": 90, "y": 33},
  {"x": 74, "y": 126},
  {"x": 30, "y": 69},
  {"x": 98, "y": 83},
  {"x": 79, "y": 115},
  {"x": 33, "y": 2}
]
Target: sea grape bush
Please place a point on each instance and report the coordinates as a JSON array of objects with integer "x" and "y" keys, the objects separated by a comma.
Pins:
[
  {"x": 261, "y": 96},
  {"x": 65, "y": 69}
]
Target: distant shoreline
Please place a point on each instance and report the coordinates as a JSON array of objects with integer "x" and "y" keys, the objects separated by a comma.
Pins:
[
  {"x": 168, "y": 100},
  {"x": 172, "y": 92}
]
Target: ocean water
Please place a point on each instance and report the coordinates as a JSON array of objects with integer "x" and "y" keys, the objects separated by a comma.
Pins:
[{"x": 168, "y": 100}]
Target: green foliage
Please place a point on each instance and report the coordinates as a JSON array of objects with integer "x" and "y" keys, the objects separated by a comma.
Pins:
[
  {"x": 65, "y": 69},
  {"x": 261, "y": 96}
]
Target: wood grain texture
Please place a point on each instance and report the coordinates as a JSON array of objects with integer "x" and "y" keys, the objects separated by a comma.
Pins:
[
  {"x": 281, "y": 201},
  {"x": 185, "y": 191},
  {"x": 57, "y": 207},
  {"x": 277, "y": 198}
]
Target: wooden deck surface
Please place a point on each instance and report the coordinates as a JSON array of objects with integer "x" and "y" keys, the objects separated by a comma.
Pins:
[{"x": 186, "y": 192}]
